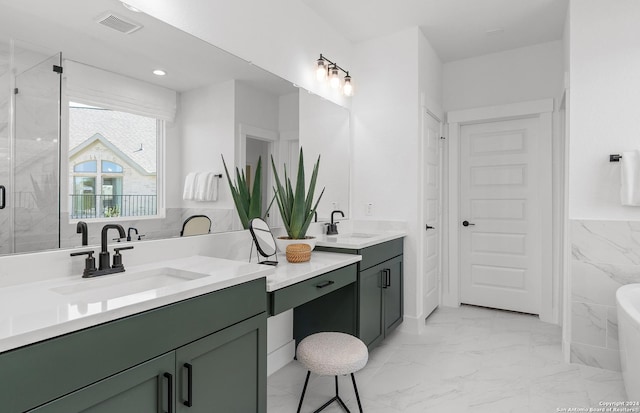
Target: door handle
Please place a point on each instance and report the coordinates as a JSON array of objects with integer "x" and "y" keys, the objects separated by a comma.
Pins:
[
  {"x": 169, "y": 378},
  {"x": 189, "y": 401},
  {"x": 3, "y": 197},
  {"x": 466, "y": 223},
  {"x": 429, "y": 227},
  {"x": 386, "y": 278}
]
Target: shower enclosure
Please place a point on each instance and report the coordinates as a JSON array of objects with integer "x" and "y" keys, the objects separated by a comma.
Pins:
[{"x": 30, "y": 98}]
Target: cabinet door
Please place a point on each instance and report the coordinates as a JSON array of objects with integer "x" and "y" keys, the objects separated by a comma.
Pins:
[
  {"x": 393, "y": 287},
  {"x": 225, "y": 371},
  {"x": 370, "y": 305},
  {"x": 146, "y": 388}
]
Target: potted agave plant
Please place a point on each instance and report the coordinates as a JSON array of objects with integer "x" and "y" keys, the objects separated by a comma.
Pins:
[
  {"x": 248, "y": 201},
  {"x": 296, "y": 205}
]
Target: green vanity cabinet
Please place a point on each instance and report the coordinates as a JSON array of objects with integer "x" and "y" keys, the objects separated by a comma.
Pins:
[
  {"x": 380, "y": 289},
  {"x": 137, "y": 363},
  {"x": 225, "y": 371},
  {"x": 140, "y": 389}
]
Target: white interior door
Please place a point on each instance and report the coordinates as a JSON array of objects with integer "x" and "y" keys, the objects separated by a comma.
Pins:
[
  {"x": 500, "y": 248},
  {"x": 431, "y": 211}
]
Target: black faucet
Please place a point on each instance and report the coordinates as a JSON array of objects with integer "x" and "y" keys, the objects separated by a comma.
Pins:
[
  {"x": 103, "y": 259},
  {"x": 104, "y": 267},
  {"x": 81, "y": 228},
  {"x": 129, "y": 233},
  {"x": 332, "y": 228}
]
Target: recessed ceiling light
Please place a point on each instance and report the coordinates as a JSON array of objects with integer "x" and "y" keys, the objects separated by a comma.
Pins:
[
  {"x": 130, "y": 7},
  {"x": 159, "y": 72}
]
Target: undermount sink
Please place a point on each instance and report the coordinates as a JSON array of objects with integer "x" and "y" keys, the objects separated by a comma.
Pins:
[
  {"x": 111, "y": 286},
  {"x": 359, "y": 235}
]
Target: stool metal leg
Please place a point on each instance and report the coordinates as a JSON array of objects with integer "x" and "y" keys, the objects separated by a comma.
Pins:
[
  {"x": 334, "y": 399},
  {"x": 304, "y": 389},
  {"x": 355, "y": 388}
]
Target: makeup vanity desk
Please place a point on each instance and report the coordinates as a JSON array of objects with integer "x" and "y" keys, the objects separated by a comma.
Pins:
[{"x": 353, "y": 286}]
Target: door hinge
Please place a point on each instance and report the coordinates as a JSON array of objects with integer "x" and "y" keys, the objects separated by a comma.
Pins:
[
  {"x": 15, "y": 91},
  {"x": 57, "y": 69},
  {"x": 442, "y": 137}
]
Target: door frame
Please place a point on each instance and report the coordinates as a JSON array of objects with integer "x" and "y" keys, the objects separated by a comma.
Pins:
[
  {"x": 542, "y": 110},
  {"x": 272, "y": 140},
  {"x": 422, "y": 222}
]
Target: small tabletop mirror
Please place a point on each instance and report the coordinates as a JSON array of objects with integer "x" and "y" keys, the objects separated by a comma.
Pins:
[{"x": 263, "y": 239}]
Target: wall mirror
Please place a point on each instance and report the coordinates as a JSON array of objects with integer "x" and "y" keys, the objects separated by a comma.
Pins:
[{"x": 155, "y": 129}]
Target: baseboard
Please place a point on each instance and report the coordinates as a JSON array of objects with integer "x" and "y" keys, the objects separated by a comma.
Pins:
[
  {"x": 280, "y": 357},
  {"x": 412, "y": 325}
]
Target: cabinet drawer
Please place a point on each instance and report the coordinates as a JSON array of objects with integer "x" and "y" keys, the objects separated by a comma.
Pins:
[
  {"x": 376, "y": 254},
  {"x": 302, "y": 292}
]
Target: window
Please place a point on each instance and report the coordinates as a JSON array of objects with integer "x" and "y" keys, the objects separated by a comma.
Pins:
[{"x": 112, "y": 163}]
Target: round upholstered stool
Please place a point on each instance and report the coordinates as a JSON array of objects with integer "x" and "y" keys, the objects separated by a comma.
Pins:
[{"x": 332, "y": 354}]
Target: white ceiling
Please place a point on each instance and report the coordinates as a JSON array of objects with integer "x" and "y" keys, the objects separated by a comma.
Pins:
[
  {"x": 455, "y": 28},
  {"x": 69, "y": 26}
]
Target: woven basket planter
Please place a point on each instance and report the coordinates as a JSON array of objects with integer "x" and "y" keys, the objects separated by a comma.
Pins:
[{"x": 298, "y": 253}]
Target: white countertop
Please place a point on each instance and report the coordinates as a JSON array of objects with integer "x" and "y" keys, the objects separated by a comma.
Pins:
[
  {"x": 37, "y": 311},
  {"x": 357, "y": 240},
  {"x": 287, "y": 273}
]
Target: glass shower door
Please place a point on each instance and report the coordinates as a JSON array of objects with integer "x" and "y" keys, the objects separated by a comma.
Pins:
[
  {"x": 5, "y": 105},
  {"x": 35, "y": 193}
]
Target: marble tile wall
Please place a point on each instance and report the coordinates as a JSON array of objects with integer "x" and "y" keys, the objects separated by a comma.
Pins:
[{"x": 604, "y": 256}]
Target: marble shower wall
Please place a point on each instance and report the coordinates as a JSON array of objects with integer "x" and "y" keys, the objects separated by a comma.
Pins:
[{"x": 604, "y": 256}]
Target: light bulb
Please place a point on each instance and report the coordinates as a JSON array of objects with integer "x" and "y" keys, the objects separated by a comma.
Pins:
[
  {"x": 334, "y": 80},
  {"x": 321, "y": 71},
  {"x": 347, "y": 89}
]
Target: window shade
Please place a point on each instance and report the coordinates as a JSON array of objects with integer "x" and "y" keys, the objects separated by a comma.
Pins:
[{"x": 113, "y": 91}]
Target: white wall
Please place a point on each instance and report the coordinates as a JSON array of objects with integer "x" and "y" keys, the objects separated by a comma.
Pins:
[
  {"x": 284, "y": 37},
  {"x": 528, "y": 73},
  {"x": 256, "y": 107},
  {"x": 289, "y": 116},
  {"x": 208, "y": 130},
  {"x": 605, "y": 96},
  {"x": 386, "y": 155}
]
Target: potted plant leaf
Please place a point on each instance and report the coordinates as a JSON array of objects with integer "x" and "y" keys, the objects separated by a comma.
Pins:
[
  {"x": 296, "y": 205},
  {"x": 248, "y": 201}
]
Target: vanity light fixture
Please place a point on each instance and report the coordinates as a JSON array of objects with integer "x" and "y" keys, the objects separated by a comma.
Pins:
[
  {"x": 327, "y": 69},
  {"x": 347, "y": 88},
  {"x": 321, "y": 71},
  {"x": 159, "y": 72}
]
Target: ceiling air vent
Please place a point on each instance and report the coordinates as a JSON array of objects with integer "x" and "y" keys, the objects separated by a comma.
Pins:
[{"x": 118, "y": 23}]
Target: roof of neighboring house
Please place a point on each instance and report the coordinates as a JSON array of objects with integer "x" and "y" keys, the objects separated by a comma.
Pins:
[
  {"x": 114, "y": 149},
  {"x": 127, "y": 133}
]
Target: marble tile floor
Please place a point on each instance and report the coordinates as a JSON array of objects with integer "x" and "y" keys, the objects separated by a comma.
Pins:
[{"x": 468, "y": 359}]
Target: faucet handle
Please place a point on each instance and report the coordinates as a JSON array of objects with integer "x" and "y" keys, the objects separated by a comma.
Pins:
[
  {"x": 89, "y": 262},
  {"x": 117, "y": 257}
]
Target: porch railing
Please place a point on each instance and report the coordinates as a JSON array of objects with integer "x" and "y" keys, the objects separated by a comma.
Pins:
[{"x": 111, "y": 206}]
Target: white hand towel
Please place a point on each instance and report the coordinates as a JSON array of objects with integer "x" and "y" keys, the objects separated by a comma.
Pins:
[
  {"x": 189, "y": 186},
  {"x": 212, "y": 189},
  {"x": 201, "y": 186},
  {"x": 630, "y": 178}
]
